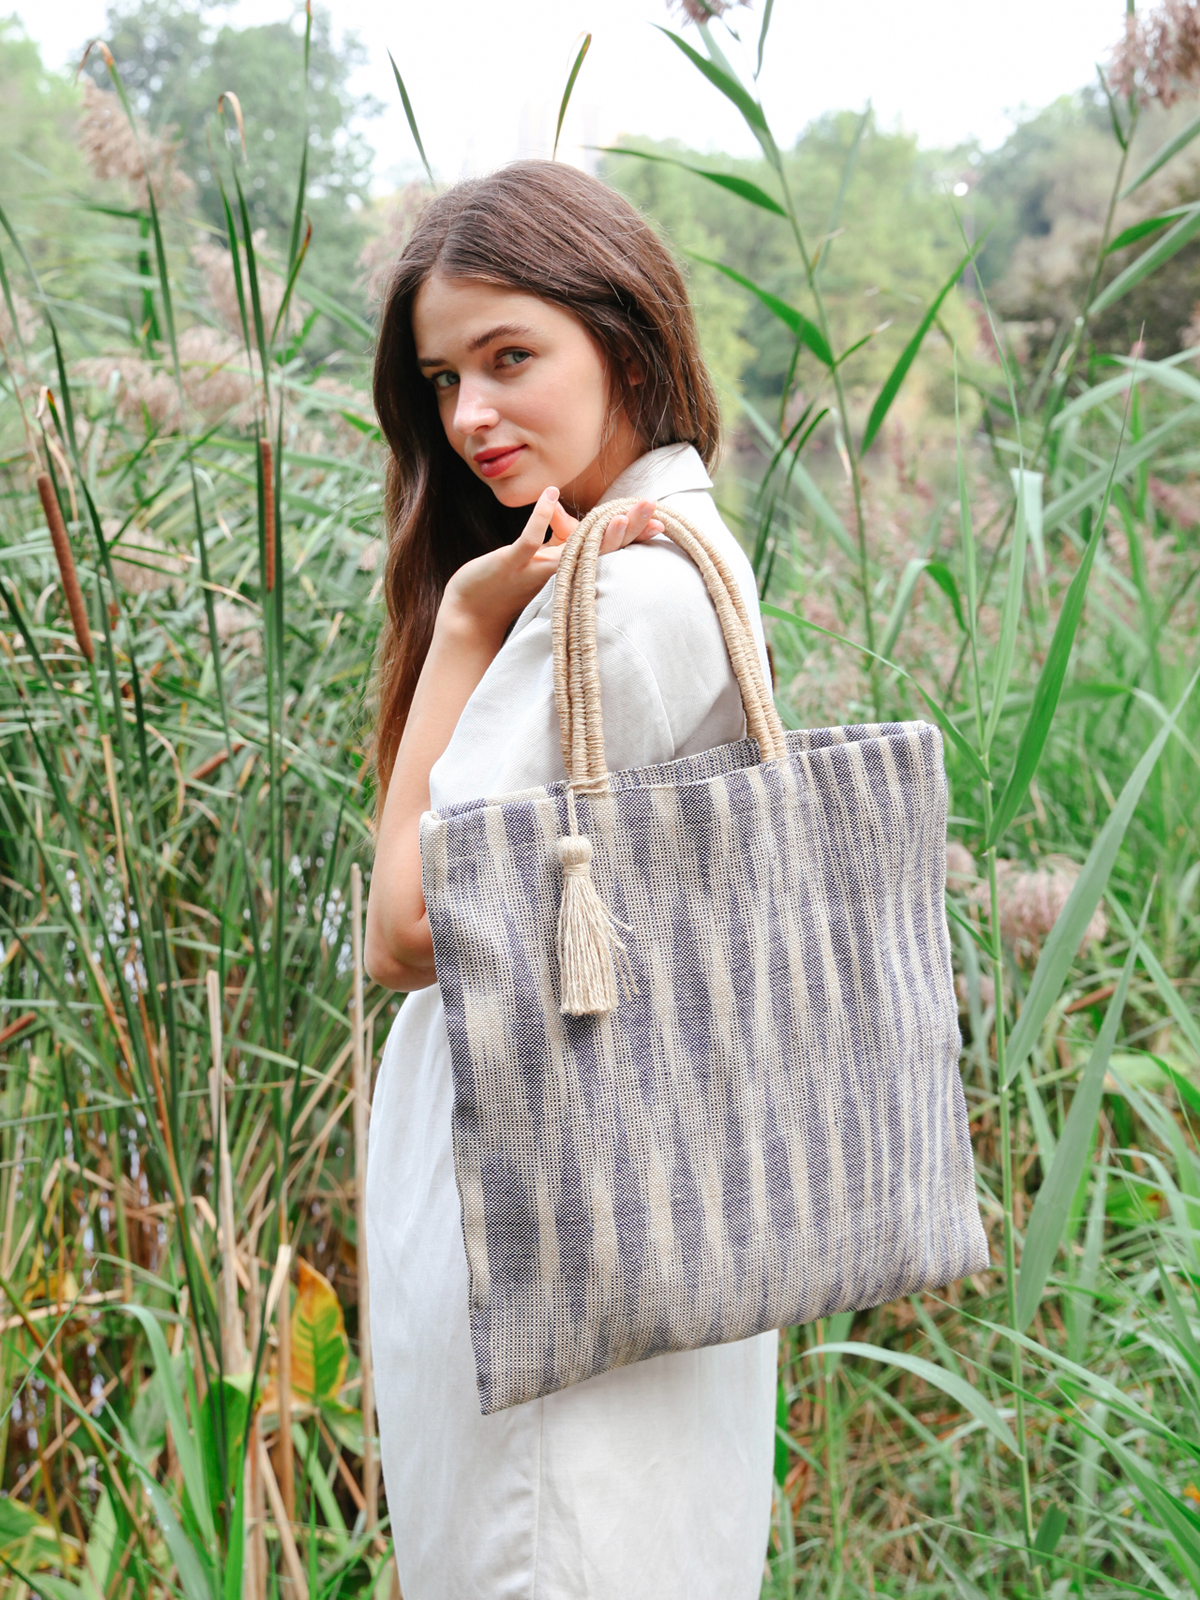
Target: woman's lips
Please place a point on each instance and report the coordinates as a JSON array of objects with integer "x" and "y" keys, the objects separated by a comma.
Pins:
[{"x": 498, "y": 463}]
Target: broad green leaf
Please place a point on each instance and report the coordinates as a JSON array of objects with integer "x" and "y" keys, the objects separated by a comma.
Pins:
[
  {"x": 781, "y": 1448},
  {"x": 742, "y": 187},
  {"x": 1173, "y": 146},
  {"x": 1184, "y": 231},
  {"x": 1143, "y": 229},
  {"x": 967, "y": 1395},
  {"x": 1028, "y": 486},
  {"x": 412, "y": 121},
  {"x": 1174, "y": 1516},
  {"x": 19, "y": 1522},
  {"x": 1059, "y": 950},
  {"x": 187, "y": 1559},
  {"x": 1165, "y": 373},
  {"x": 1050, "y": 1209},
  {"x": 231, "y": 1588},
  {"x": 185, "y": 1440},
  {"x": 1054, "y": 1523},
  {"x": 566, "y": 99},
  {"x": 340, "y": 313},
  {"x": 320, "y": 1348},
  {"x": 1010, "y": 616},
  {"x": 1078, "y": 1308},
  {"x": 941, "y": 575},
  {"x": 900, "y": 371},
  {"x": 729, "y": 87},
  {"x": 1046, "y": 694},
  {"x": 807, "y": 332}
]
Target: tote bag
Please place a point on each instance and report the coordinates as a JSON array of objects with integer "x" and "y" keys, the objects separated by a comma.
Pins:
[{"x": 702, "y": 1024}]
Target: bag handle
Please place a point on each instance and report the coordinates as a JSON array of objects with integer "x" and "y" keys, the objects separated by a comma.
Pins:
[
  {"x": 576, "y": 670},
  {"x": 590, "y": 952}
]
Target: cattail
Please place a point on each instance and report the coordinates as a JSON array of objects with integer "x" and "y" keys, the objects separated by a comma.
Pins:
[
  {"x": 66, "y": 564},
  {"x": 268, "y": 474}
]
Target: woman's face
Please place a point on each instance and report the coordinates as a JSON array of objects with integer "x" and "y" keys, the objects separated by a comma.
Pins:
[{"x": 522, "y": 392}]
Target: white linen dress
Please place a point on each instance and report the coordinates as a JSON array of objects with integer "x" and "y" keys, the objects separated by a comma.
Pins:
[{"x": 654, "y": 1481}]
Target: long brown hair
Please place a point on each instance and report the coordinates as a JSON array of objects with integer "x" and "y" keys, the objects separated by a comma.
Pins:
[{"x": 551, "y": 231}]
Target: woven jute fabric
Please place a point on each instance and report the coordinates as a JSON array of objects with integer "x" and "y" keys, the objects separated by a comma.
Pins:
[{"x": 771, "y": 1126}]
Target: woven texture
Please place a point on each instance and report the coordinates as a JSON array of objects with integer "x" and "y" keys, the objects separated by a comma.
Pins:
[{"x": 771, "y": 1127}]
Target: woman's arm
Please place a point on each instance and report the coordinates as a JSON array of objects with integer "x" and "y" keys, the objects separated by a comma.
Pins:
[{"x": 481, "y": 602}]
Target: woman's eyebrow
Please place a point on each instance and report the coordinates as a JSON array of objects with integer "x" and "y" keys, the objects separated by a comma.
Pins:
[{"x": 502, "y": 330}]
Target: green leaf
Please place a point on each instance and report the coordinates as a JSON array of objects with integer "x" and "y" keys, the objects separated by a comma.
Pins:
[
  {"x": 940, "y": 715},
  {"x": 566, "y": 99},
  {"x": 1175, "y": 1002},
  {"x": 803, "y": 480},
  {"x": 762, "y": 34},
  {"x": 231, "y": 1589},
  {"x": 187, "y": 1559},
  {"x": 1147, "y": 226},
  {"x": 1059, "y": 950},
  {"x": 729, "y": 87},
  {"x": 900, "y": 371},
  {"x": 320, "y": 1349},
  {"x": 1160, "y": 158},
  {"x": 1050, "y": 1209},
  {"x": 1027, "y": 486},
  {"x": 1092, "y": 487},
  {"x": 807, "y": 332},
  {"x": 1046, "y": 695},
  {"x": 967, "y": 1395},
  {"x": 412, "y": 121},
  {"x": 941, "y": 575},
  {"x": 1010, "y": 616},
  {"x": 185, "y": 1442},
  {"x": 1149, "y": 261},
  {"x": 1054, "y": 1523},
  {"x": 742, "y": 187}
]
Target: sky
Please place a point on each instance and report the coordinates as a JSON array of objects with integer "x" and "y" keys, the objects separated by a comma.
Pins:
[{"x": 486, "y": 77}]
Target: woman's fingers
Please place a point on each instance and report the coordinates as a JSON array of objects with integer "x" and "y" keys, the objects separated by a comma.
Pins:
[
  {"x": 533, "y": 535},
  {"x": 631, "y": 527},
  {"x": 562, "y": 524}
]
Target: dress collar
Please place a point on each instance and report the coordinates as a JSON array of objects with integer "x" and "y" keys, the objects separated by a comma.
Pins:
[{"x": 670, "y": 469}]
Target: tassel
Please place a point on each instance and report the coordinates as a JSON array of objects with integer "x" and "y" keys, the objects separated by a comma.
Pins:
[{"x": 589, "y": 951}]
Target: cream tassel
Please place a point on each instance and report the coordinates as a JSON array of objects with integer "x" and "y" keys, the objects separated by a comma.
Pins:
[{"x": 589, "y": 951}]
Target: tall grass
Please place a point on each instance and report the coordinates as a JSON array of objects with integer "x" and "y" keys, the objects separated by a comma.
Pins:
[{"x": 188, "y": 1040}]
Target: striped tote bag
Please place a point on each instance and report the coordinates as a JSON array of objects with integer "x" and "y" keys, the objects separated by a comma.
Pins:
[{"x": 703, "y": 1027}]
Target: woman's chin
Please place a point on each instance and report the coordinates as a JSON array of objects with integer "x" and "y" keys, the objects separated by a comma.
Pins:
[{"x": 519, "y": 490}]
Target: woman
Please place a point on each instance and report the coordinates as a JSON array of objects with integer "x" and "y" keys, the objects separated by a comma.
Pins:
[{"x": 537, "y": 356}]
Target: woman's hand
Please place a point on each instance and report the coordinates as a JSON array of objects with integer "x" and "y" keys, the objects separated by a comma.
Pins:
[
  {"x": 485, "y": 596},
  {"x": 482, "y": 600}
]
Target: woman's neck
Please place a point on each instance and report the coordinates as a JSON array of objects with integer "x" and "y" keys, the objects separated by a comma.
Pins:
[{"x": 622, "y": 448}]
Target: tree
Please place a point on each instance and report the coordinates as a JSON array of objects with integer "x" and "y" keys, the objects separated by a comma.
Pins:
[{"x": 176, "y": 62}]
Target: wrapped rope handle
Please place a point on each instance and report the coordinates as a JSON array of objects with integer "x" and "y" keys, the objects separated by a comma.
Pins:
[{"x": 590, "y": 953}]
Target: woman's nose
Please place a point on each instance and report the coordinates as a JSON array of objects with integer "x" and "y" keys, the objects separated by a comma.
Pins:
[{"x": 473, "y": 410}]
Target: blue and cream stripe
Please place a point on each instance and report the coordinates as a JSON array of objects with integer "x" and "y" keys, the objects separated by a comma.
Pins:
[{"x": 772, "y": 1128}]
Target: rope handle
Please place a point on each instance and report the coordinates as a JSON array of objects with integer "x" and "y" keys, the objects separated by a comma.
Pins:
[{"x": 576, "y": 669}]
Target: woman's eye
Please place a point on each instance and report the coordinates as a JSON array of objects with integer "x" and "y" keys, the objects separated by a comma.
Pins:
[
  {"x": 444, "y": 380},
  {"x": 513, "y": 358}
]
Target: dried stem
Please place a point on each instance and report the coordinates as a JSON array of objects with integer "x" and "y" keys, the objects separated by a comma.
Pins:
[
  {"x": 268, "y": 476},
  {"x": 234, "y": 1356}
]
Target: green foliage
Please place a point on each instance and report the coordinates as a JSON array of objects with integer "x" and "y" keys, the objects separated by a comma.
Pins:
[{"x": 176, "y": 63}]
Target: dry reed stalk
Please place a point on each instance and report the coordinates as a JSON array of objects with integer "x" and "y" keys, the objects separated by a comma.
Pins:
[
  {"x": 18, "y": 1026},
  {"x": 234, "y": 1359},
  {"x": 283, "y": 1381},
  {"x": 370, "y": 1466},
  {"x": 268, "y": 474},
  {"x": 66, "y": 564},
  {"x": 283, "y": 1521},
  {"x": 207, "y": 768}
]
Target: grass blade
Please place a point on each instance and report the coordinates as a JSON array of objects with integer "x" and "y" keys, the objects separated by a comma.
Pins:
[
  {"x": 762, "y": 34},
  {"x": 1144, "y": 228},
  {"x": 1160, "y": 158},
  {"x": 732, "y": 90},
  {"x": 967, "y": 1395},
  {"x": 940, "y": 715},
  {"x": 1059, "y": 950},
  {"x": 185, "y": 1441},
  {"x": 1046, "y": 694},
  {"x": 1051, "y": 1208},
  {"x": 1010, "y": 616},
  {"x": 412, "y": 121},
  {"x": 566, "y": 99},
  {"x": 807, "y": 332},
  {"x": 1184, "y": 231},
  {"x": 742, "y": 187},
  {"x": 909, "y": 354}
]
